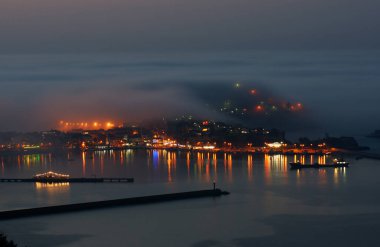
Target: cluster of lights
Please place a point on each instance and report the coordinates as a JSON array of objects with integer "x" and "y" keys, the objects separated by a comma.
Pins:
[
  {"x": 262, "y": 106},
  {"x": 339, "y": 162},
  {"x": 288, "y": 107},
  {"x": 87, "y": 125},
  {"x": 27, "y": 146},
  {"x": 275, "y": 144},
  {"x": 51, "y": 174},
  {"x": 162, "y": 142}
]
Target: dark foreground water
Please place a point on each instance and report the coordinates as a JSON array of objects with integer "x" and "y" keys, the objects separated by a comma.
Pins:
[{"x": 269, "y": 204}]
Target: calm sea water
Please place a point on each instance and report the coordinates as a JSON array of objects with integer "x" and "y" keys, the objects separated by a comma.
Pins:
[{"x": 269, "y": 204}]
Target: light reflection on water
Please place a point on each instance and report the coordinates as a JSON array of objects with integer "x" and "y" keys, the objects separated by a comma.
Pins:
[
  {"x": 51, "y": 187},
  {"x": 106, "y": 163},
  {"x": 158, "y": 171},
  {"x": 172, "y": 166},
  {"x": 260, "y": 186}
]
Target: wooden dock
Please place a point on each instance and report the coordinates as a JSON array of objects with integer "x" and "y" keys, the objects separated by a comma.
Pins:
[
  {"x": 31, "y": 212},
  {"x": 66, "y": 180}
]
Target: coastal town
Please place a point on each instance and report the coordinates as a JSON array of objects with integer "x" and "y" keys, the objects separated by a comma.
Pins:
[{"x": 183, "y": 134}]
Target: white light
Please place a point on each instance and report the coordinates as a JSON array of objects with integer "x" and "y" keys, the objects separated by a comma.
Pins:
[{"x": 274, "y": 145}]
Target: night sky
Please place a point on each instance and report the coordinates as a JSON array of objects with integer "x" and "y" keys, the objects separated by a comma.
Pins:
[
  {"x": 130, "y": 25},
  {"x": 135, "y": 60}
]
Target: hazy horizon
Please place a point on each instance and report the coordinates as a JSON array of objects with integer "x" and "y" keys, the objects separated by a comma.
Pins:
[{"x": 338, "y": 89}]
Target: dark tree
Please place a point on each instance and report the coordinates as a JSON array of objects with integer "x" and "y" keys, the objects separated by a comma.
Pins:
[{"x": 4, "y": 242}]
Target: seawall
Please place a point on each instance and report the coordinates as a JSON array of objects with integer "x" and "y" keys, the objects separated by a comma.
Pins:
[{"x": 31, "y": 212}]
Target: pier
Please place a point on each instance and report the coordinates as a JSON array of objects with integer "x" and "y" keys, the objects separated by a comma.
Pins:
[
  {"x": 67, "y": 180},
  {"x": 31, "y": 212}
]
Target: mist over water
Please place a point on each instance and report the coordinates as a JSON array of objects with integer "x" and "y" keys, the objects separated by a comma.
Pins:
[{"x": 338, "y": 89}]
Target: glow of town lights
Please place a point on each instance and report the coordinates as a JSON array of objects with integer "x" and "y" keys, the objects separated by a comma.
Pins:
[
  {"x": 91, "y": 125},
  {"x": 274, "y": 145},
  {"x": 51, "y": 174},
  {"x": 209, "y": 147}
]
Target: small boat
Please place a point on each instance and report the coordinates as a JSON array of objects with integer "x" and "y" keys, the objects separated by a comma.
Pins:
[{"x": 336, "y": 163}]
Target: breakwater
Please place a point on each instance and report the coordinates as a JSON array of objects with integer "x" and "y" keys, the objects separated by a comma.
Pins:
[{"x": 21, "y": 213}]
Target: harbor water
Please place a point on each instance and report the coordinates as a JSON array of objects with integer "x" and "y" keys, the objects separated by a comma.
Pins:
[{"x": 269, "y": 204}]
